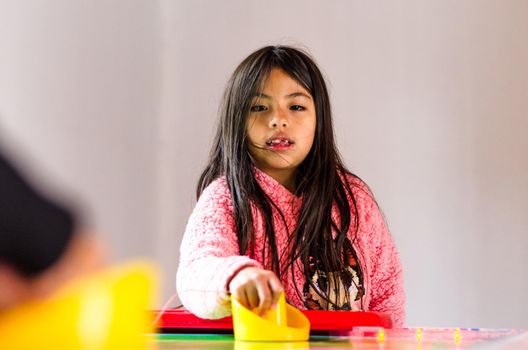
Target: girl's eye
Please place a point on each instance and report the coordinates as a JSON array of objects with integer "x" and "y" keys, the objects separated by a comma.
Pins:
[
  {"x": 258, "y": 108},
  {"x": 297, "y": 108}
]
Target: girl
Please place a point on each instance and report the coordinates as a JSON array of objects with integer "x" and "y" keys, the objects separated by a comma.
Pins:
[{"x": 277, "y": 209}]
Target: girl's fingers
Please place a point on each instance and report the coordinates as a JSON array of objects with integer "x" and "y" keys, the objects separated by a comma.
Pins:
[
  {"x": 240, "y": 295},
  {"x": 252, "y": 297},
  {"x": 264, "y": 295},
  {"x": 276, "y": 290},
  {"x": 256, "y": 288}
]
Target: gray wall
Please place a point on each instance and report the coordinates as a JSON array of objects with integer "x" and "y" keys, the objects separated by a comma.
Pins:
[
  {"x": 79, "y": 102},
  {"x": 118, "y": 101}
]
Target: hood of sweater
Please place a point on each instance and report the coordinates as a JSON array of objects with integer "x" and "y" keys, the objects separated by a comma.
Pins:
[{"x": 279, "y": 194}]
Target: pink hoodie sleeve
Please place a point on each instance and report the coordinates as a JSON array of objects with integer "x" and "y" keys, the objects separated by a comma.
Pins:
[
  {"x": 209, "y": 255},
  {"x": 385, "y": 271}
]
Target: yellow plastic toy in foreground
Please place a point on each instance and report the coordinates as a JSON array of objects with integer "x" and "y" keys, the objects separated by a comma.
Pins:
[
  {"x": 285, "y": 323},
  {"x": 105, "y": 310}
]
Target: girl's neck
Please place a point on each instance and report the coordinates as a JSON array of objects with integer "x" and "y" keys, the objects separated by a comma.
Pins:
[{"x": 285, "y": 177}]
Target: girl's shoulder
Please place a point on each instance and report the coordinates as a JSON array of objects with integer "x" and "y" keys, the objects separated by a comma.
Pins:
[
  {"x": 217, "y": 190},
  {"x": 371, "y": 219},
  {"x": 357, "y": 186},
  {"x": 214, "y": 202},
  {"x": 364, "y": 201}
]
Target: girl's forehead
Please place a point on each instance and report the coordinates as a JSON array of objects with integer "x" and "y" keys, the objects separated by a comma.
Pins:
[{"x": 278, "y": 79}]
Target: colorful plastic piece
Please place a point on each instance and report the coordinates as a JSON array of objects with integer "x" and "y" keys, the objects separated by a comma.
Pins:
[{"x": 285, "y": 323}]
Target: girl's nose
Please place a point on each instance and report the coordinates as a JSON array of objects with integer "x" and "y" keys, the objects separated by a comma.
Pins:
[{"x": 279, "y": 118}]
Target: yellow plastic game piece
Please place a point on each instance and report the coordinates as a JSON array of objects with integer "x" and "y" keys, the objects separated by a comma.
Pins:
[
  {"x": 458, "y": 336},
  {"x": 104, "y": 311},
  {"x": 285, "y": 323},
  {"x": 381, "y": 336}
]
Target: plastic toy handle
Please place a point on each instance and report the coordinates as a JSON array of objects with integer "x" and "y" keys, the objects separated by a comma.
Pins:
[
  {"x": 282, "y": 319},
  {"x": 277, "y": 314}
]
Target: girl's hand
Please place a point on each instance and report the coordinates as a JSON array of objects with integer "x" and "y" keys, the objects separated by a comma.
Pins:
[{"x": 256, "y": 288}]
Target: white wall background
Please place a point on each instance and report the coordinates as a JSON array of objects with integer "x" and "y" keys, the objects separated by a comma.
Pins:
[
  {"x": 117, "y": 101},
  {"x": 79, "y": 97}
]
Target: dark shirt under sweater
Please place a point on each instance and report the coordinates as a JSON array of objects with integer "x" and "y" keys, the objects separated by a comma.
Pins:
[{"x": 34, "y": 230}]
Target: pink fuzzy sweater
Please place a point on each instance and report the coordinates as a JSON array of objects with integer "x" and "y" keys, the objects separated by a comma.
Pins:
[{"x": 209, "y": 255}]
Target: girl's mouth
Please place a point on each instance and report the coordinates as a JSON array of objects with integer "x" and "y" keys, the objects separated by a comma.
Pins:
[{"x": 279, "y": 144}]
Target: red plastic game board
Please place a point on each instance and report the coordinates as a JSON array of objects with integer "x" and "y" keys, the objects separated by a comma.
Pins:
[{"x": 321, "y": 322}]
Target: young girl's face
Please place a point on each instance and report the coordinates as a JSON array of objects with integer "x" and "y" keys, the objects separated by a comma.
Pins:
[{"x": 281, "y": 127}]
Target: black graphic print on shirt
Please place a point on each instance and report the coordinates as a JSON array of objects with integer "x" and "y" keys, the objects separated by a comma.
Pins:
[{"x": 335, "y": 284}]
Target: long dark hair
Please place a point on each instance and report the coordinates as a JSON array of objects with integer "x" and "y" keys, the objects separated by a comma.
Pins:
[{"x": 320, "y": 178}]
